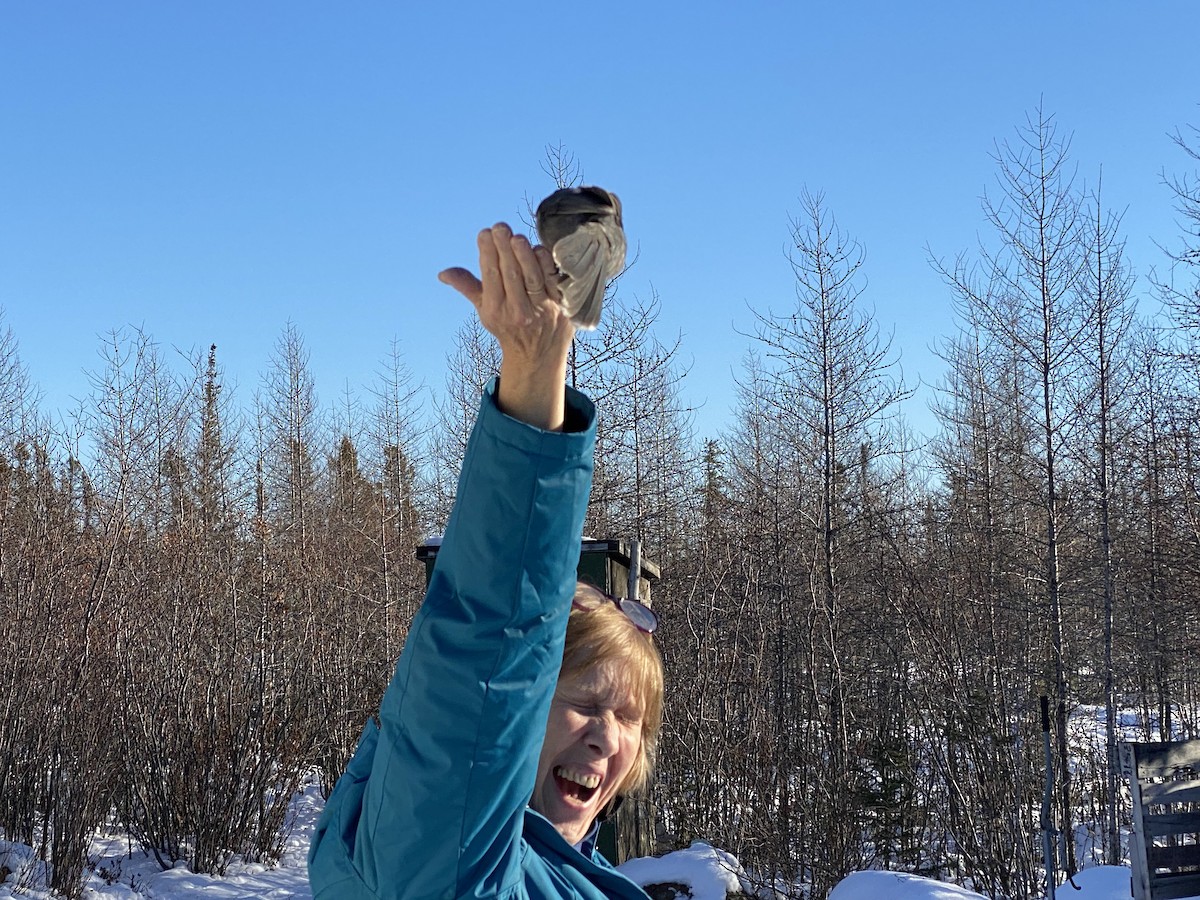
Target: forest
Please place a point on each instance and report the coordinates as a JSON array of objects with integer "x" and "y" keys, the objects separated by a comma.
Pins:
[{"x": 204, "y": 595}]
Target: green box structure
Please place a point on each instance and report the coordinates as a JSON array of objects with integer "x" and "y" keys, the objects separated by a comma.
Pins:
[{"x": 630, "y": 833}]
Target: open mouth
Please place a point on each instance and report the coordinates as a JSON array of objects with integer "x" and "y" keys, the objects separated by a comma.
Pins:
[{"x": 578, "y": 786}]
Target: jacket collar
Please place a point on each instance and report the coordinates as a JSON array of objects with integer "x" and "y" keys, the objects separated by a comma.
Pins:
[{"x": 587, "y": 846}]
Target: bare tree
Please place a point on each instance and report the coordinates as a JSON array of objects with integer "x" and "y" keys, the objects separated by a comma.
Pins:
[
  {"x": 398, "y": 433},
  {"x": 291, "y": 458},
  {"x": 1106, "y": 291},
  {"x": 789, "y": 608},
  {"x": 1026, "y": 295},
  {"x": 1181, "y": 287},
  {"x": 474, "y": 362},
  {"x": 643, "y": 432}
]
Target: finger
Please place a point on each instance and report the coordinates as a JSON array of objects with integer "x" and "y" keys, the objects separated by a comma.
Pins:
[
  {"x": 492, "y": 293},
  {"x": 550, "y": 275},
  {"x": 464, "y": 282},
  {"x": 531, "y": 269},
  {"x": 513, "y": 275}
]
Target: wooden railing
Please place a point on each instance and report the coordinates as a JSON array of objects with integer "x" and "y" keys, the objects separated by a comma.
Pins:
[{"x": 1164, "y": 849}]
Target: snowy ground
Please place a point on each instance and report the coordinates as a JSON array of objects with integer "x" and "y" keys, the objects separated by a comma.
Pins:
[{"x": 122, "y": 872}]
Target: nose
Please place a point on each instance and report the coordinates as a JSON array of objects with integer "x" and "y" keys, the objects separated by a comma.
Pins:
[{"x": 602, "y": 734}]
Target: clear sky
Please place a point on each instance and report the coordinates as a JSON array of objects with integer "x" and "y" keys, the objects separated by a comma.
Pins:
[{"x": 210, "y": 171}]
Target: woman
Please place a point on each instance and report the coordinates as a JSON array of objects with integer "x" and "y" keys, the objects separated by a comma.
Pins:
[{"x": 488, "y": 771}]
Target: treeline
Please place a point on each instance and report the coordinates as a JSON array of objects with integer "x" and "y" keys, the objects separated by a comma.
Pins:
[
  {"x": 204, "y": 598},
  {"x": 875, "y": 622},
  {"x": 199, "y": 615}
]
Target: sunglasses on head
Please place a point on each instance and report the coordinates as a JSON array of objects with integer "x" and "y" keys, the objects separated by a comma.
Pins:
[{"x": 642, "y": 616}]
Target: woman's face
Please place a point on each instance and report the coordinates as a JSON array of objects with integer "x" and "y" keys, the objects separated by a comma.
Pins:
[{"x": 593, "y": 739}]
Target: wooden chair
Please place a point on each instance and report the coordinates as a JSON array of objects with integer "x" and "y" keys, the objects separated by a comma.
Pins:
[{"x": 1164, "y": 782}]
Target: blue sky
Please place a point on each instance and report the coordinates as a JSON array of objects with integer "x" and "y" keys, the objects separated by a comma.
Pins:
[{"x": 211, "y": 171}]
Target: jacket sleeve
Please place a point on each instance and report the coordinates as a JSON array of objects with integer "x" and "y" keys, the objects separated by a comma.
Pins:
[{"x": 432, "y": 803}]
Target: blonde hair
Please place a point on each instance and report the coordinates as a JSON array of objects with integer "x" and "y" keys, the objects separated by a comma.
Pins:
[{"x": 600, "y": 634}]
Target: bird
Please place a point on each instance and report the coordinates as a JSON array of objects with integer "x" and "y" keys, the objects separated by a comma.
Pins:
[{"x": 582, "y": 229}]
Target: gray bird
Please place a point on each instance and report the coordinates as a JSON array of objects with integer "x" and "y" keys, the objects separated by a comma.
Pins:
[{"x": 582, "y": 228}]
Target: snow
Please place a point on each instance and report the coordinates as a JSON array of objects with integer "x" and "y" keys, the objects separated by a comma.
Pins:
[
  {"x": 121, "y": 871},
  {"x": 1099, "y": 883},
  {"x": 897, "y": 886},
  {"x": 708, "y": 872},
  {"x": 1096, "y": 883}
]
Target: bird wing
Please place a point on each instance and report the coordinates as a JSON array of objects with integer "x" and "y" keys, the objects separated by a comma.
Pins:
[
  {"x": 582, "y": 257},
  {"x": 580, "y": 251}
]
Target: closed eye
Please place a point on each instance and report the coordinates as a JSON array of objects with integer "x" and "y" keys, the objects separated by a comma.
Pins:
[{"x": 593, "y": 710}]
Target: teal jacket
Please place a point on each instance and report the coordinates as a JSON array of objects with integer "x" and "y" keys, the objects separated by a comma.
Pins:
[{"x": 433, "y": 803}]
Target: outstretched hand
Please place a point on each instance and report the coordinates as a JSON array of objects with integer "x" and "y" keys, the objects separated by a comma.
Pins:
[{"x": 518, "y": 301}]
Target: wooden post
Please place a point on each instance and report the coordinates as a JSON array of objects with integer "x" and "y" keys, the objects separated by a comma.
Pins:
[
  {"x": 1164, "y": 783},
  {"x": 1140, "y": 879}
]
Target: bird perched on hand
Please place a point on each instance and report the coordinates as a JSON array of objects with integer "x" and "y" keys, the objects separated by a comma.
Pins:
[{"x": 582, "y": 228}]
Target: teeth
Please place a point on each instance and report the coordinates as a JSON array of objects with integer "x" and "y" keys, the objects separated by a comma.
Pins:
[{"x": 587, "y": 781}]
